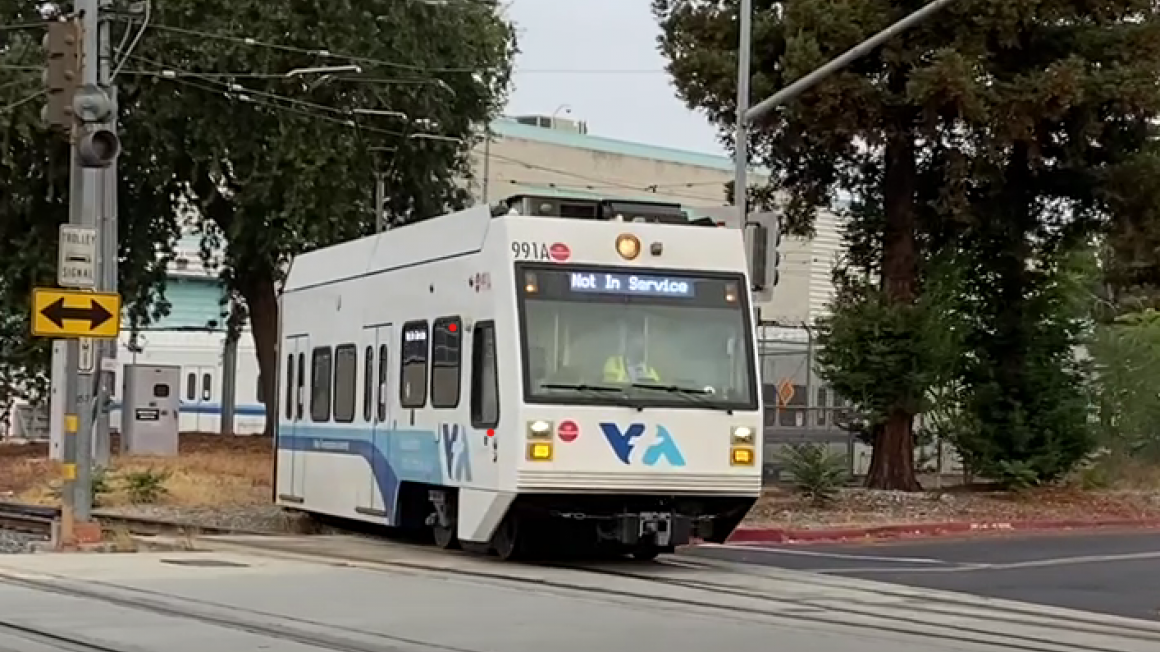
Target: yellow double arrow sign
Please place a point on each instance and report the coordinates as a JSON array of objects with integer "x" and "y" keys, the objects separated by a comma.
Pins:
[{"x": 75, "y": 313}]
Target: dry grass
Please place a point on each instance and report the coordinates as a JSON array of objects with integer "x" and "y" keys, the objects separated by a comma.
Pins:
[{"x": 211, "y": 470}]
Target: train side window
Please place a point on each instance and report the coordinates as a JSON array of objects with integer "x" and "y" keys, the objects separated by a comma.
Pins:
[
  {"x": 484, "y": 377},
  {"x": 446, "y": 356},
  {"x": 413, "y": 365},
  {"x": 320, "y": 378},
  {"x": 191, "y": 386},
  {"x": 381, "y": 408},
  {"x": 368, "y": 380},
  {"x": 301, "y": 384},
  {"x": 290, "y": 387},
  {"x": 345, "y": 380}
]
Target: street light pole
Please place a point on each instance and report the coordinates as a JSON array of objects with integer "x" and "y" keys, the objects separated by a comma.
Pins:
[
  {"x": 741, "y": 141},
  {"x": 746, "y": 116}
]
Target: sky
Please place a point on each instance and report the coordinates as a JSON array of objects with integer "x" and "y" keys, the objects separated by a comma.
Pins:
[{"x": 622, "y": 90}]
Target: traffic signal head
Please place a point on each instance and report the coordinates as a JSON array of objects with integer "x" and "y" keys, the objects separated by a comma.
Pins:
[
  {"x": 62, "y": 73},
  {"x": 98, "y": 148}
]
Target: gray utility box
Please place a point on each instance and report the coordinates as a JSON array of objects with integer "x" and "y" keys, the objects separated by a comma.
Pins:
[{"x": 150, "y": 413}]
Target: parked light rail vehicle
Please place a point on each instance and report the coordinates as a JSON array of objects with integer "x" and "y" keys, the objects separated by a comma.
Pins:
[
  {"x": 200, "y": 356},
  {"x": 523, "y": 379}
]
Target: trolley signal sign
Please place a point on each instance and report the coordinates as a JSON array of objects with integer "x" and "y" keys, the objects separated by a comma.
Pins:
[{"x": 75, "y": 313}]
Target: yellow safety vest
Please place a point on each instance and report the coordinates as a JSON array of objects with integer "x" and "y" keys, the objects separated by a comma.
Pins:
[{"x": 615, "y": 371}]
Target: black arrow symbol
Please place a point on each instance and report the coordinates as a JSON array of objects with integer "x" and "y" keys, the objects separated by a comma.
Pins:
[{"x": 57, "y": 313}]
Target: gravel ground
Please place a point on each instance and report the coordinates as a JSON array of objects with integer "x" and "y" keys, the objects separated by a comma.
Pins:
[
  {"x": 778, "y": 509},
  {"x": 12, "y": 543},
  {"x": 257, "y": 518}
]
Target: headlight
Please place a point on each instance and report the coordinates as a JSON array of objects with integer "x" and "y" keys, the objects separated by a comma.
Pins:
[
  {"x": 742, "y": 435},
  {"x": 628, "y": 246},
  {"x": 539, "y": 430}
]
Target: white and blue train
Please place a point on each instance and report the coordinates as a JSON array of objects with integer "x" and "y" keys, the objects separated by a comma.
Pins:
[
  {"x": 199, "y": 354},
  {"x": 521, "y": 379}
]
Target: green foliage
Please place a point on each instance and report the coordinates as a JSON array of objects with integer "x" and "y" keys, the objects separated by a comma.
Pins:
[
  {"x": 1024, "y": 387},
  {"x": 817, "y": 472},
  {"x": 101, "y": 487},
  {"x": 276, "y": 165},
  {"x": 995, "y": 136},
  {"x": 145, "y": 487},
  {"x": 1126, "y": 361},
  {"x": 883, "y": 355},
  {"x": 264, "y": 165},
  {"x": 34, "y": 191}
]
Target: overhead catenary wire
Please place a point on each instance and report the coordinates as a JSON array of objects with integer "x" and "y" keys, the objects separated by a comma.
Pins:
[
  {"x": 317, "y": 52},
  {"x": 125, "y": 52},
  {"x": 240, "y": 90},
  {"x": 326, "y": 53}
]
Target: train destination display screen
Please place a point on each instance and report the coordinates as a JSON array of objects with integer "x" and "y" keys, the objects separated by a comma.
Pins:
[
  {"x": 631, "y": 284},
  {"x": 620, "y": 286}
]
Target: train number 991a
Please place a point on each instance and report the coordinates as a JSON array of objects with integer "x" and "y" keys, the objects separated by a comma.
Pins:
[{"x": 530, "y": 250}]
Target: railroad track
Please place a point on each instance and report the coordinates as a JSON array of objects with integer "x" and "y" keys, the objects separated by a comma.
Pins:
[{"x": 38, "y": 519}]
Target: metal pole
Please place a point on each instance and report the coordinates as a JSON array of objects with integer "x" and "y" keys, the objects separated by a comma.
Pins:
[
  {"x": 229, "y": 384},
  {"x": 380, "y": 199},
  {"x": 107, "y": 277},
  {"x": 486, "y": 163},
  {"x": 741, "y": 153},
  {"x": 858, "y": 51},
  {"x": 90, "y": 206}
]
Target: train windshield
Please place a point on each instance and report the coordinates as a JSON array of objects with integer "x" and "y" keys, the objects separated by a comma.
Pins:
[{"x": 635, "y": 337}]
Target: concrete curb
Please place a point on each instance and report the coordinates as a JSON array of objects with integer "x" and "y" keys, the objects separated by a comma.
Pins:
[{"x": 931, "y": 530}]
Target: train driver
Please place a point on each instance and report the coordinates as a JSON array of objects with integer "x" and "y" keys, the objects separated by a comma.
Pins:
[{"x": 630, "y": 367}]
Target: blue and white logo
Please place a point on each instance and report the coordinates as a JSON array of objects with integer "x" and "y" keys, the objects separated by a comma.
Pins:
[
  {"x": 624, "y": 444},
  {"x": 456, "y": 454}
]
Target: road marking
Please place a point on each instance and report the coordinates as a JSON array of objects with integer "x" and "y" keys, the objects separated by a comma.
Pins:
[{"x": 828, "y": 555}]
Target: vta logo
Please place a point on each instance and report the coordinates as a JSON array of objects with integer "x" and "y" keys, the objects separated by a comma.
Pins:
[
  {"x": 624, "y": 444},
  {"x": 455, "y": 450}
]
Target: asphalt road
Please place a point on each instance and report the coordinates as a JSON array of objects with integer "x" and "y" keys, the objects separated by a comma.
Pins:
[{"x": 1115, "y": 573}]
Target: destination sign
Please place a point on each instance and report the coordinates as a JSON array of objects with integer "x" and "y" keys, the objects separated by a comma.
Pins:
[{"x": 632, "y": 284}]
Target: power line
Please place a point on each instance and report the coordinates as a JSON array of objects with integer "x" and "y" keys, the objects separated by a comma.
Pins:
[
  {"x": 317, "y": 52},
  {"x": 238, "y": 90},
  {"x": 244, "y": 96}
]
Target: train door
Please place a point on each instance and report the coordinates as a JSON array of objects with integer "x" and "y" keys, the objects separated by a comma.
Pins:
[
  {"x": 377, "y": 369},
  {"x": 199, "y": 409},
  {"x": 294, "y": 411}
]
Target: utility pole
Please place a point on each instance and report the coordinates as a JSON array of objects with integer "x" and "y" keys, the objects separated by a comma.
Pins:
[
  {"x": 107, "y": 256},
  {"x": 81, "y": 110},
  {"x": 61, "y": 79}
]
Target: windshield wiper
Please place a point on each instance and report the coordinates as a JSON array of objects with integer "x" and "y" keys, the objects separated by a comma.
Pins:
[
  {"x": 675, "y": 389},
  {"x": 600, "y": 390},
  {"x": 693, "y": 394},
  {"x": 582, "y": 387}
]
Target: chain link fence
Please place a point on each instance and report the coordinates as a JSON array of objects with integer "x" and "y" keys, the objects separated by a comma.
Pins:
[{"x": 801, "y": 408}]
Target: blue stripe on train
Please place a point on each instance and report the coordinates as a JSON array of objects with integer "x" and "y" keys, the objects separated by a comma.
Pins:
[
  {"x": 394, "y": 455},
  {"x": 241, "y": 410}
]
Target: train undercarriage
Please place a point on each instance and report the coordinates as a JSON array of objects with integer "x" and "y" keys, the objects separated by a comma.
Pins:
[{"x": 542, "y": 525}]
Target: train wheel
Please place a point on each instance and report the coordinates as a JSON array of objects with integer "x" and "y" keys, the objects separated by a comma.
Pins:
[
  {"x": 646, "y": 553},
  {"x": 445, "y": 537},
  {"x": 507, "y": 542}
]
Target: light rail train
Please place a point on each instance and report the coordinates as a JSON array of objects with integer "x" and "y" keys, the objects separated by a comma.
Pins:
[{"x": 519, "y": 379}]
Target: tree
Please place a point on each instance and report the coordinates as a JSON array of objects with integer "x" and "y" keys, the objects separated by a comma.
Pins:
[
  {"x": 275, "y": 165},
  {"x": 34, "y": 196},
  {"x": 988, "y": 131},
  {"x": 860, "y": 132}
]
